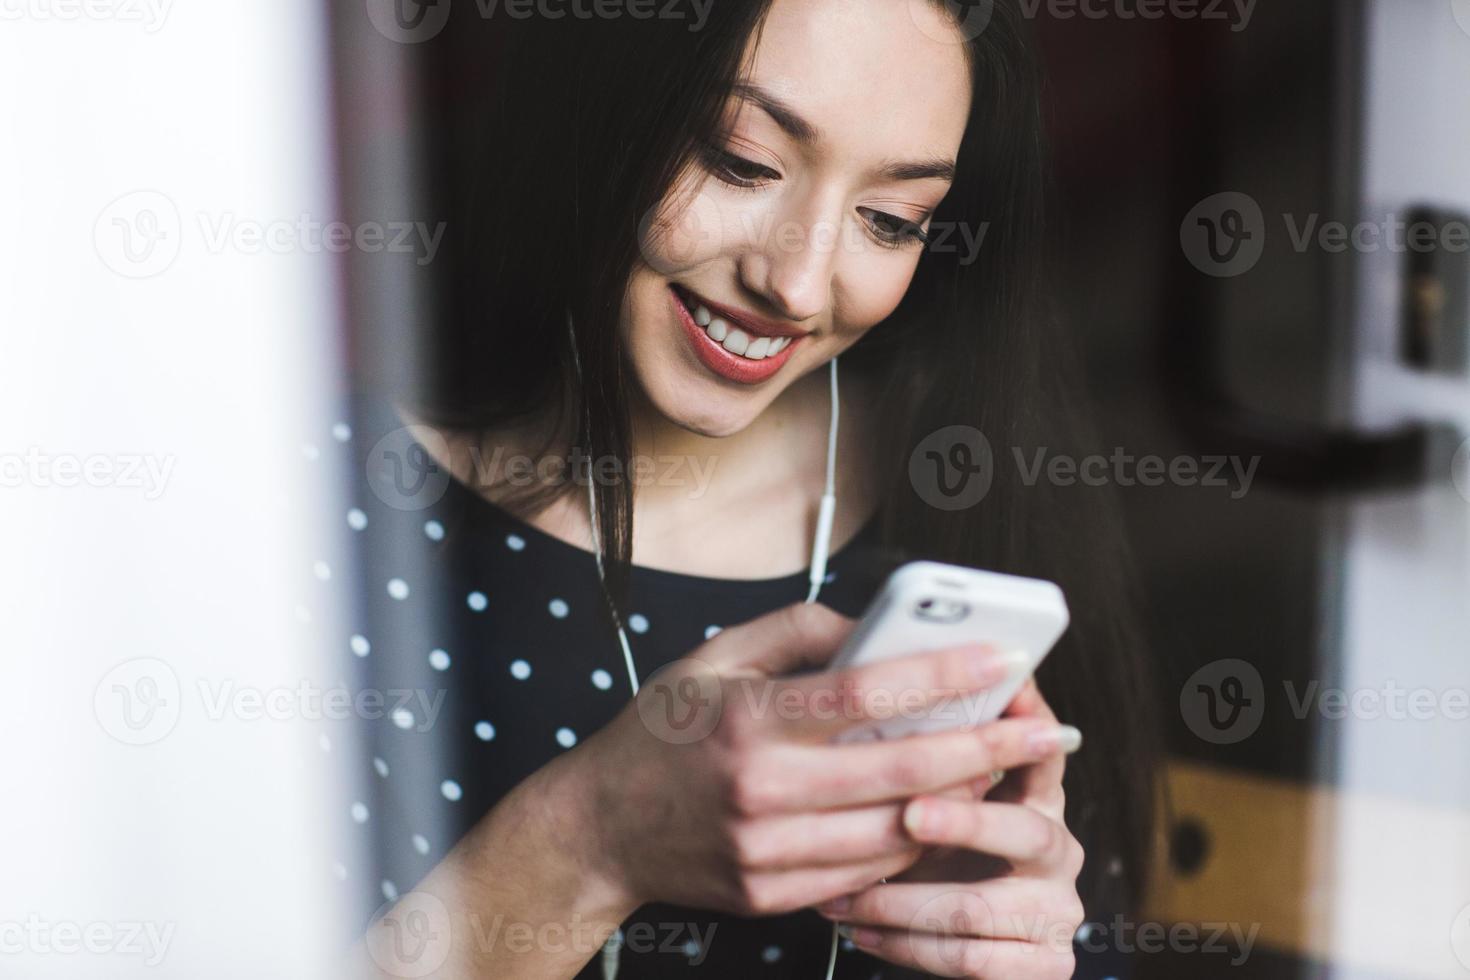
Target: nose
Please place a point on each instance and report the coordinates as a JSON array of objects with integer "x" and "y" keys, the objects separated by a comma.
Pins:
[{"x": 792, "y": 265}]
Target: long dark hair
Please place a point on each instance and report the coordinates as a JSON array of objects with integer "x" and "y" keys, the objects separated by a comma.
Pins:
[{"x": 583, "y": 135}]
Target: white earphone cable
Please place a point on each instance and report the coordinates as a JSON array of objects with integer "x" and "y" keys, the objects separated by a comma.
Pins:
[{"x": 821, "y": 543}]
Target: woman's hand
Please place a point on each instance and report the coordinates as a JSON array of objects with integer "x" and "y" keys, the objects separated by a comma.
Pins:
[
  {"x": 718, "y": 786},
  {"x": 995, "y": 896}
]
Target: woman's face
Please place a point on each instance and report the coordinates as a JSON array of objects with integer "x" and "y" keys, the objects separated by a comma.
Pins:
[{"x": 781, "y": 246}]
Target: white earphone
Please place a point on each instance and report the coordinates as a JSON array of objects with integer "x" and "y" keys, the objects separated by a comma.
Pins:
[{"x": 821, "y": 544}]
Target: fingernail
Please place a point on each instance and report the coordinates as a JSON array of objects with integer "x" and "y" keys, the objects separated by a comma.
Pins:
[
  {"x": 990, "y": 668},
  {"x": 920, "y": 819},
  {"x": 836, "y": 906},
  {"x": 1062, "y": 738},
  {"x": 996, "y": 777},
  {"x": 865, "y": 937}
]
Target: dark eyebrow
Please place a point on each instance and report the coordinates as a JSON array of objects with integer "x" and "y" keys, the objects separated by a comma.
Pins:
[
  {"x": 935, "y": 169},
  {"x": 785, "y": 116},
  {"x": 804, "y": 132}
]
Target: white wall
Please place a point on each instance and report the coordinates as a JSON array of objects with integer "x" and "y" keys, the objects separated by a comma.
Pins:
[
  {"x": 1403, "y": 859},
  {"x": 197, "y": 848}
]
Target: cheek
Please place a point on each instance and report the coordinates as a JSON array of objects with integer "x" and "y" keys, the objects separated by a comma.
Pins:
[
  {"x": 871, "y": 287},
  {"x": 688, "y": 228}
]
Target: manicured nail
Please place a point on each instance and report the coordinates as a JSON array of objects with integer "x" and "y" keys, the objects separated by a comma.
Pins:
[
  {"x": 869, "y": 938},
  {"x": 990, "y": 668},
  {"x": 1063, "y": 738},
  {"x": 836, "y": 906}
]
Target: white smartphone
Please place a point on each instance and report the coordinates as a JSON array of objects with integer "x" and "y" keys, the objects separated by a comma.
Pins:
[{"x": 927, "y": 606}]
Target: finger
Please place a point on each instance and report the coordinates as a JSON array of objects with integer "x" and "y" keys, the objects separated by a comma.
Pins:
[
  {"x": 1039, "y": 785},
  {"x": 1000, "y": 908},
  {"x": 820, "y": 706},
  {"x": 796, "y": 637},
  {"x": 778, "y": 892},
  {"x": 1028, "y": 703},
  {"x": 1028, "y": 840},
  {"x": 823, "y": 838},
  {"x": 806, "y": 777},
  {"x": 945, "y": 955}
]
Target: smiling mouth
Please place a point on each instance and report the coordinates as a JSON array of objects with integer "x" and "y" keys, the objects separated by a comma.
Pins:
[{"x": 738, "y": 353}]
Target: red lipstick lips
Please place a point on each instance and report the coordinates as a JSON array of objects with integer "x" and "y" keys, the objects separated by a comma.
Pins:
[{"x": 727, "y": 364}]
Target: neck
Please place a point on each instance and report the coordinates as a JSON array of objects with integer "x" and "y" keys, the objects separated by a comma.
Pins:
[
  {"x": 688, "y": 470},
  {"x": 741, "y": 506}
]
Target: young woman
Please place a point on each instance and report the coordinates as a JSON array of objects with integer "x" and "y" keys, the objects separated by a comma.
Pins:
[{"x": 677, "y": 225}]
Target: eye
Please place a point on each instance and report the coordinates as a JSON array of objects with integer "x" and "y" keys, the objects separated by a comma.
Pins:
[
  {"x": 892, "y": 230},
  {"x": 736, "y": 170}
]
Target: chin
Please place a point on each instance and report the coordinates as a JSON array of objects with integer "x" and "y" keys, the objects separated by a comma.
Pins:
[{"x": 698, "y": 405}]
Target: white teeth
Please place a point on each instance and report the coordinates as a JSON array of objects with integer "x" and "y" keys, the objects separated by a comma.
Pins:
[{"x": 736, "y": 341}]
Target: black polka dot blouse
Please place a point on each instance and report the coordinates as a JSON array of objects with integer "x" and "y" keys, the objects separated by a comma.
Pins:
[{"x": 480, "y": 650}]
